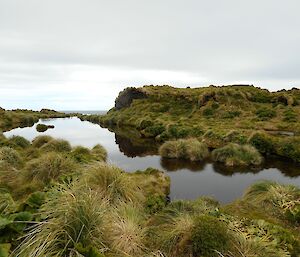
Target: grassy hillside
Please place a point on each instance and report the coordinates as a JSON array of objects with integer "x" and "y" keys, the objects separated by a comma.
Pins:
[
  {"x": 10, "y": 119},
  {"x": 56, "y": 200},
  {"x": 215, "y": 115}
]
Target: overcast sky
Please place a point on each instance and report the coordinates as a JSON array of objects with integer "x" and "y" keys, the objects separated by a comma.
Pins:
[{"x": 78, "y": 54}]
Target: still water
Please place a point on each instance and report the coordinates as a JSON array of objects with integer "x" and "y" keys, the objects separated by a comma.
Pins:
[{"x": 188, "y": 180}]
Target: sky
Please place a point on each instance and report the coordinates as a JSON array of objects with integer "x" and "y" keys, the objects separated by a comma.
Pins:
[{"x": 78, "y": 54}]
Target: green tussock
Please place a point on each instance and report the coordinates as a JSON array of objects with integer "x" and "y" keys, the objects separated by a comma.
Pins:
[
  {"x": 190, "y": 149},
  {"x": 237, "y": 155}
]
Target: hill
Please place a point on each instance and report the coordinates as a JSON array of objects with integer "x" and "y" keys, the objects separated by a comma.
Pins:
[{"x": 215, "y": 115}]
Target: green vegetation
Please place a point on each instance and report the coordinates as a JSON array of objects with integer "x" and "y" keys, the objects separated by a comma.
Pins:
[
  {"x": 190, "y": 149},
  {"x": 10, "y": 119},
  {"x": 41, "y": 127},
  {"x": 237, "y": 155},
  {"x": 209, "y": 236},
  {"x": 56, "y": 202},
  {"x": 211, "y": 114},
  {"x": 59, "y": 200}
]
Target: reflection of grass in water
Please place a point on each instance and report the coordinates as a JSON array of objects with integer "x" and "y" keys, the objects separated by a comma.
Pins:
[{"x": 174, "y": 165}]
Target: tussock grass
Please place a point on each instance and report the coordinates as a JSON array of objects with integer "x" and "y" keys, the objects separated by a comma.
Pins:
[
  {"x": 114, "y": 183},
  {"x": 19, "y": 141},
  {"x": 41, "y": 127},
  {"x": 10, "y": 156},
  {"x": 190, "y": 149},
  {"x": 74, "y": 220},
  {"x": 57, "y": 145},
  {"x": 81, "y": 154},
  {"x": 284, "y": 199},
  {"x": 99, "y": 152},
  {"x": 49, "y": 166},
  {"x": 41, "y": 141},
  {"x": 127, "y": 230},
  {"x": 237, "y": 155}
]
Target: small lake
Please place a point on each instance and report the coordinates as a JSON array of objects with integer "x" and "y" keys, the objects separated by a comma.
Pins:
[{"x": 188, "y": 180}]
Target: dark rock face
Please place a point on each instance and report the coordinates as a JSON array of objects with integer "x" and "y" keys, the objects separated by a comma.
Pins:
[{"x": 126, "y": 97}]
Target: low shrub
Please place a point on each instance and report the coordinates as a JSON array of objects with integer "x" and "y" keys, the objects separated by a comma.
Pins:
[
  {"x": 153, "y": 131},
  {"x": 231, "y": 114},
  {"x": 41, "y": 140},
  {"x": 237, "y": 155},
  {"x": 288, "y": 148},
  {"x": 190, "y": 149},
  {"x": 41, "y": 127},
  {"x": 57, "y": 145},
  {"x": 10, "y": 156},
  {"x": 49, "y": 166},
  {"x": 208, "y": 112},
  {"x": 265, "y": 113},
  {"x": 155, "y": 203},
  {"x": 290, "y": 115},
  {"x": 175, "y": 131},
  {"x": 145, "y": 123},
  {"x": 262, "y": 142},
  {"x": 209, "y": 236}
]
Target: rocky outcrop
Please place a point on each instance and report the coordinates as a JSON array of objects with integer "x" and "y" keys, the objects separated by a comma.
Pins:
[{"x": 126, "y": 97}]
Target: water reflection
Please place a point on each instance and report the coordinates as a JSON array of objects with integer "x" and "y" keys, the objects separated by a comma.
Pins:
[
  {"x": 189, "y": 180},
  {"x": 135, "y": 148}
]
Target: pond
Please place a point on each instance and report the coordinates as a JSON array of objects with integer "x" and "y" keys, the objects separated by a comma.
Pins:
[{"x": 188, "y": 180}]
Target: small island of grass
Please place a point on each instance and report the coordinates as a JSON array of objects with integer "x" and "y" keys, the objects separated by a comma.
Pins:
[{"x": 43, "y": 127}]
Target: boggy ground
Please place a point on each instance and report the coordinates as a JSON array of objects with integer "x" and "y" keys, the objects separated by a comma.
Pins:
[
  {"x": 56, "y": 200},
  {"x": 269, "y": 121}
]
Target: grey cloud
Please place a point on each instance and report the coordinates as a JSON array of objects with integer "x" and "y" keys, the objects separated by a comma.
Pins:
[{"x": 44, "y": 42}]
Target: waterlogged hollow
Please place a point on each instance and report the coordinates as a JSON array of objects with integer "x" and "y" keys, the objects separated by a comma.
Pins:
[{"x": 188, "y": 180}]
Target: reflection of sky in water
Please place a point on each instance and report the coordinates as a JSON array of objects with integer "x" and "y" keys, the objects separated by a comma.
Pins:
[{"x": 184, "y": 183}]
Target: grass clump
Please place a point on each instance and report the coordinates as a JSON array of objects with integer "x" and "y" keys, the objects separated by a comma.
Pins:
[
  {"x": 127, "y": 231},
  {"x": 57, "y": 145},
  {"x": 81, "y": 154},
  {"x": 209, "y": 237},
  {"x": 19, "y": 141},
  {"x": 39, "y": 141},
  {"x": 10, "y": 156},
  {"x": 74, "y": 223},
  {"x": 190, "y": 149},
  {"x": 112, "y": 182},
  {"x": 283, "y": 199},
  {"x": 99, "y": 152},
  {"x": 262, "y": 142},
  {"x": 41, "y": 127},
  {"x": 265, "y": 113},
  {"x": 49, "y": 166},
  {"x": 237, "y": 155}
]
